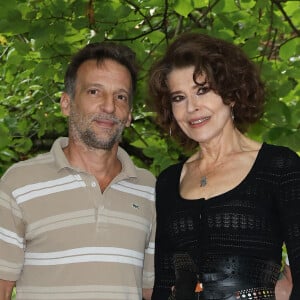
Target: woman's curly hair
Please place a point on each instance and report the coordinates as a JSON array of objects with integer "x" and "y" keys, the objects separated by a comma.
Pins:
[{"x": 229, "y": 73}]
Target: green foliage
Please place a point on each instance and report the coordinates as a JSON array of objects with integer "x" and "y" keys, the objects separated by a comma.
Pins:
[{"x": 38, "y": 38}]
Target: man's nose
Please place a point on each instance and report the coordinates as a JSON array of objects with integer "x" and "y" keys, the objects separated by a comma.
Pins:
[{"x": 107, "y": 104}]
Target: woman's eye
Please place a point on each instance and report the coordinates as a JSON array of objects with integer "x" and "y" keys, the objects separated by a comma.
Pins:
[
  {"x": 203, "y": 90},
  {"x": 177, "y": 98}
]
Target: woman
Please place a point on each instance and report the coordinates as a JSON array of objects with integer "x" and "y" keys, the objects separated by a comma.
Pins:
[{"x": 224, "y": 213}]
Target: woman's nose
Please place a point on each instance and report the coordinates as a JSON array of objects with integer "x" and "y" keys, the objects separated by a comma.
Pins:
[{"x": 192, "y": 103}]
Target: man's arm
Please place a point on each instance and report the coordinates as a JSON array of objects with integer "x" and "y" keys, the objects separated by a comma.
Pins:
[
  {"x": 284, "y": 285},
  {"x": 6, "y": 288},
  {"x": 147, "y": 293}
]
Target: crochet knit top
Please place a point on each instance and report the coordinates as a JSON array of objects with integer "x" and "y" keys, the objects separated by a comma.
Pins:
[{"x": 252, "y": 220}]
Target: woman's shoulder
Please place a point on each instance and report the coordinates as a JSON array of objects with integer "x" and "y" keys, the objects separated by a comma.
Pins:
[
  {"x": 168, "y": 179},
  {"x": 171, "y": 169},
  {"x": 279, "y": 156},
  {"x": 279, "y": 151},
  {"x": 167, "y": 186},
  {"x": 171, "y": 172}
]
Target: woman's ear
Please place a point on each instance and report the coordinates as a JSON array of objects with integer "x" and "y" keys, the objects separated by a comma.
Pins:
[{"x": 65, "y": 102}]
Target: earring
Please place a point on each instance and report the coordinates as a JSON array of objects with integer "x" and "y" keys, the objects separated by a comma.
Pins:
[
  {"x": 232, "y": 113},
  {"x": 170, "y": 131}
]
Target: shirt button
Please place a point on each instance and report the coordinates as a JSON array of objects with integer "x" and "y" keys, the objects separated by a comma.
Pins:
[{"x": 93, "y": 184}]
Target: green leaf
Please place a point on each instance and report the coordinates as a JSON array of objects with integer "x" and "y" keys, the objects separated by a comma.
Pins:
[
  {"x": 200, "y": 3},
  {"x": 13, "y": 22},
  {"x": 225, "y": 6},
  {"x": 275, "y": 133},
  {"x": 183, "y": 8},
  {"x": 8, "y": 155},
  {"x": 279, "y": 114},
  {"x": 290, "y": 49},
  {"x": 251, "y": 46},
  {"x": 23, "y": 145},
  {"x": 4, "y": 134},
  {"x": 246, "y": 4},
  {"x": 156, "y": 37},
  {"x": 7, "y": 7}
]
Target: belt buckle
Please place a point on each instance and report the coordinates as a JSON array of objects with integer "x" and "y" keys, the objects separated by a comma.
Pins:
[{"x": 199, "y": 287}]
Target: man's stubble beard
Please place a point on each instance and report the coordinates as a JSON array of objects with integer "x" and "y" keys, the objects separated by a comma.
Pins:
[{"x": 81, "y": 129}]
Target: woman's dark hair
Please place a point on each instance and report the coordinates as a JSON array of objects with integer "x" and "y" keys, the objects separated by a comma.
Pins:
[
  {"x": 229, "y": 73},
  {"x": 100, "y": 52}
]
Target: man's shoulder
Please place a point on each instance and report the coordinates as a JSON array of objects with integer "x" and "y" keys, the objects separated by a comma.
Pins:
[
  {"x": 145, "y": 174},
  {"x": 38, "y": 165},
  {"x": 29, "y": 167},
  {"x": 131, "y": 169}
]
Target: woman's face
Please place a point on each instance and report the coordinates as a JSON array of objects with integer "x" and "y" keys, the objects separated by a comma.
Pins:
[{"x": 198, "y": 110}]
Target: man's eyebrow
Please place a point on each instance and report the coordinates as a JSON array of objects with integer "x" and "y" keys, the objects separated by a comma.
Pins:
[
  {"x": 99, "y": 85},
  {"x": 91, "y": 85},
  {"x": 123, "y": 90},
  {"x": 95, "y": 84}
]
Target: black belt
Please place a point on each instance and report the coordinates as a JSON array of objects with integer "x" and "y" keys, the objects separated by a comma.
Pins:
[
  {"x": 230, "y": 278},
  {"x": 253, "y": 293},
  {"x": 257, "y": 293}
]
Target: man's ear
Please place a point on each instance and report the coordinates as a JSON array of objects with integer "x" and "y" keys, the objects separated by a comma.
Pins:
[
  {"x": 65, "y": 103},
  {"x": 129, "y": 119}
]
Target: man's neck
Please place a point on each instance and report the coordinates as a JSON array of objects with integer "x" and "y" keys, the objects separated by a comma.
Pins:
[{"x": 103, "y": 164}]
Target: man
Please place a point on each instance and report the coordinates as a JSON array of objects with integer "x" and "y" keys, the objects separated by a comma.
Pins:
[{"x": 79, "y": 222}]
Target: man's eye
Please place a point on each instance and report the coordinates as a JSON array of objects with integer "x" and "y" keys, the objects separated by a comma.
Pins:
[
  {"x": 177, "y": 98},
  {"x": 122, "y": 97},
  {"x": 93, "y": 91}
]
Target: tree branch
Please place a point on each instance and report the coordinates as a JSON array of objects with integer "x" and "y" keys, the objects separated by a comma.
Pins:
[
  {"x": 287, "y": 18},
  {"x": 137, "y": 8}
]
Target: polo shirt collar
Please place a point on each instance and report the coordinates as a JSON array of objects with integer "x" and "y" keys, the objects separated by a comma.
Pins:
[{"x": 128, "y": 167}]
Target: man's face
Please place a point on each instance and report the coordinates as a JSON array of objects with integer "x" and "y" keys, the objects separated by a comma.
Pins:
[{"x": 101, "y": 106}]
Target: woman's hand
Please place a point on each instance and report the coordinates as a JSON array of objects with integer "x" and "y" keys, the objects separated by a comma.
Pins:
[{"x": 284, "y": 285}]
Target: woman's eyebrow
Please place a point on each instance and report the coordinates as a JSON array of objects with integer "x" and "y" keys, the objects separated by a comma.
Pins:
[{"x": 197, "y": 84}]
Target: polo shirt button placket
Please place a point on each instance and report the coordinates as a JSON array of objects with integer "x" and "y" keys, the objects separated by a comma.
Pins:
[{"x": 99, "y": 207}]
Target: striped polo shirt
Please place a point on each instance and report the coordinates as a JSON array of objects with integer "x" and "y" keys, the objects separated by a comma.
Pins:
[{"x": 62, "y": 238}]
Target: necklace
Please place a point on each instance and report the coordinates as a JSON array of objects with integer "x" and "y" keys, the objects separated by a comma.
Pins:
[{"x": 203, "y": 181}]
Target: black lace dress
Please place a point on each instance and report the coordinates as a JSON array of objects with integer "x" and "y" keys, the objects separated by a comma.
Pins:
[{"x": 231, "y": 243}]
